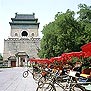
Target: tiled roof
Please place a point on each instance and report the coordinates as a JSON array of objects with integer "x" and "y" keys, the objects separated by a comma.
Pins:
[
  {"x": 25, "y": 16},
  {"x": 24, "y": 19},
  {"x": 12, "y": 58},
  {"x": 21, "y": 53},
  {"x": 12, "y": 23}
]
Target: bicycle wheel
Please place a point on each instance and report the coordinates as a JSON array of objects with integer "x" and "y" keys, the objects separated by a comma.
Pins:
[
  {"x": 36, "y": 76},
  {"x": 41, "y": 81},
  {"x": 77, "y": 88},
  {"x": 46, "y": 87},
  {"x": 25, "y": 74}
]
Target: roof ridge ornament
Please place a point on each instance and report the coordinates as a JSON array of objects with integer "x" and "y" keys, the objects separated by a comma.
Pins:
[{"x": 16, "y": 14}]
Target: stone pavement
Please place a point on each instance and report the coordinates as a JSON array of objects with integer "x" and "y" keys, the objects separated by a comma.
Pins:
[{"x": 11, "y": 79}]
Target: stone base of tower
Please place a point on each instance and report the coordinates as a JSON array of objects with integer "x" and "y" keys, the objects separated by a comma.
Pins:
[{"x": 17, "y": 51}]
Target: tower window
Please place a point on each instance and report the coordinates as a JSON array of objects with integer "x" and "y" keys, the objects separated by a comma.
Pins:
[
  {"x": 24, "y": 33},
  {"x": 32, "y": 34},
  {"x": 16, "y": 34}
]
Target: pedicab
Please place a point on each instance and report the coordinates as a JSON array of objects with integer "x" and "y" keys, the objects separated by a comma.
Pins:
[
  {"x": 49, "y": 85},
  {"x": 80, "y": 85},
  {"x": 36, "y": 68}
]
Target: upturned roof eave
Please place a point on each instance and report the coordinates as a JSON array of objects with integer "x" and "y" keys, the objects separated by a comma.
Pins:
[
  {"x": 11, "y": 23},
  {"x": 24, "y": 19}
]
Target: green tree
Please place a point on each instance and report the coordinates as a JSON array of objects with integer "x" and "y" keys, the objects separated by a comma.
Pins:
[
  {"x": 64, "y": 34},
  {"x": 69, "y": 32},
  {"x": 85, "y": 20},
  {"x": 48, "y": 41},
  {"x": 84, "y": 12}
]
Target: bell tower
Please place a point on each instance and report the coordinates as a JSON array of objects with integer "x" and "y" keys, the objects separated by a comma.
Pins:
[
  {"x": 24, "y": 25},
  {"x": 24, "y": 40}
]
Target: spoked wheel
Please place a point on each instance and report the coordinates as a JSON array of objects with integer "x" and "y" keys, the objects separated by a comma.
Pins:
[
  {"x": 36, "y": 76},
  {"x": 25, "y": 74},
  {"x": 79, "y": 88},
  {"x": 46, "y": 87},
  {"x": 60, "y": 80},
  {"x": 41, "y": 81},
  {"x": 75, "y": 88}
]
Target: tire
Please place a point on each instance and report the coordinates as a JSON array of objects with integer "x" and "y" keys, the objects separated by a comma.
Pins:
[
  {"x": 36, "y": 76},
  {"x": 77, "y": 88},
  {"x": 80, "y": 88},
  {"x": 60, "y": 80},
  {"x": 41, "y": 81},
  {"x": 25, "y": 74},
  {"x": 73, "y": 87},
  {"x": 46, "y": 87}
]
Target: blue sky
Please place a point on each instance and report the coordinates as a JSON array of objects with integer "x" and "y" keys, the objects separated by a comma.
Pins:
[{"x": 44, "y": 10}]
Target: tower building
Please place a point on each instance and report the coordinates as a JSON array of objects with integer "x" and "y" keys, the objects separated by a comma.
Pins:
[{"x": 24, "y": 40}]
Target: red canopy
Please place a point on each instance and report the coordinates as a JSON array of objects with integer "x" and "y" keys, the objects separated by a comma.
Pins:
[
  {"x": 58, "y": 59},
  {"x": 68, "y": 56},
  {"x": 39, "y": 60},
  {"x": 86, "y": 52},
  {"x": 54, "y": 59},
  {"x": 78, "y": 54},
  {"x": 86, "y": 47}
]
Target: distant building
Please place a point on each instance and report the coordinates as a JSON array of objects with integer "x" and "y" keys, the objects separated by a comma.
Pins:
[
  {"x": 24, "y": 40},
  {"x": 1, "y": 60}
]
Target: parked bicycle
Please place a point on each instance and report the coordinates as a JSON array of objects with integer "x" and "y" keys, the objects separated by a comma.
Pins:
[
  {"x": 71, "y": 84},
  {"x": 35, "y": 73},
  {"x": 26, "y": 73}
]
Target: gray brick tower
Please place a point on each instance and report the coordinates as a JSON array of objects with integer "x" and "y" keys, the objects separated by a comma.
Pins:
[{"x": 24, "y": 40}]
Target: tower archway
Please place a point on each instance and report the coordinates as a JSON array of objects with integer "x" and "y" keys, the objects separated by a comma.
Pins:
[{"x": 24, "y": 33}]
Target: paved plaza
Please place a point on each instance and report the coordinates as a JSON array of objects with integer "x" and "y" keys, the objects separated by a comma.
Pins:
[{"x": 11, "y": 79}]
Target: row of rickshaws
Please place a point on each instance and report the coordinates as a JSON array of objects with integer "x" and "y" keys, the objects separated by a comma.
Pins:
[{"x": 68, "y": 72}]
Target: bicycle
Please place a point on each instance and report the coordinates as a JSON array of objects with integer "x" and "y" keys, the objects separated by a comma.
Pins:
[
  {"x": 50, "y": 76},
  {"x": 36, "y": 74},
  {"x": 70, "y": 85},
  {"x": 26, "y": 73},
  {"x": 45, "y": 78}
]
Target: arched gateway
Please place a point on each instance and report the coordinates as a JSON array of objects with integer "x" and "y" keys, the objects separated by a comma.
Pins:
[
  {"x": 21, "y": 59},
  {"x": 23, "y": 40}
]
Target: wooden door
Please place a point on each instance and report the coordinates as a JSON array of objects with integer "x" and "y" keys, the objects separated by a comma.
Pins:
[{"x": 13, "y": 63}]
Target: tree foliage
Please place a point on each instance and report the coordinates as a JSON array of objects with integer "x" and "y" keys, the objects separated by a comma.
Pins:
[{"x": 66, "y": 33}]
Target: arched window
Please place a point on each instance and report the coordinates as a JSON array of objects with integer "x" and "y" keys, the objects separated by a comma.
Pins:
[
  {"x": 16, "y": 34},
  {"x": 32, "y": 34},
  {"x": 24, "y": 33}
]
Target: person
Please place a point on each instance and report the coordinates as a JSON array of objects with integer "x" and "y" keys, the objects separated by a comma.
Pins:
[
  {"x": 65, "y": 69},
  {"x": 35, "y": 67},
  {"x": 78, "y": 67}
]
